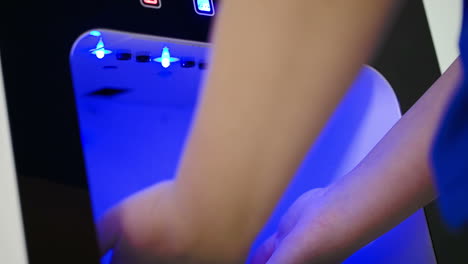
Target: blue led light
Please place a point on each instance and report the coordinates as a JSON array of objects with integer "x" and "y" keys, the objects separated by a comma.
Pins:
[
  {"x": 100, "y": 51},
  {"x": 95, "y": 33},
  {"x": 204, "y": 7},
  {"x": 166, "y": 58}
]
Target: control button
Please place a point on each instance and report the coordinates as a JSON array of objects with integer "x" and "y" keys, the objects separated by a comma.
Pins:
[
  {"x": 143, "y": 57},
  {"x": 204, "y": 7},
  {"x": 187, "y": 63},
  {"x": 202, "y": 66},
  {"x": 123, "y": 55},
  {"x": 151, "y": 3}
]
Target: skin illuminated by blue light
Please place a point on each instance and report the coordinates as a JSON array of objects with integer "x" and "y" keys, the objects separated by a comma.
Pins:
[
  {"x": 100, "y": 51},
  {"x": 95, "y": 33},
  {"x": 166, "y": 58}
]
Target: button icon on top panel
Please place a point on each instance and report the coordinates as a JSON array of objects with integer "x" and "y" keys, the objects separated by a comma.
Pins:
[
  {"x": 151, "y": 3},
  {"x": 204, "y": 7}
]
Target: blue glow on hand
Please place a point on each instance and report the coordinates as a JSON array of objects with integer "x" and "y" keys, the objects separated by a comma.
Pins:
[{"x": 166, "y": 58}]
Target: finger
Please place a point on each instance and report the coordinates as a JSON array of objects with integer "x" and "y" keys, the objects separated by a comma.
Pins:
[
  {"x": 108, "y": 229},
  {"x": 292, "y": 216},
  {"x": 264, "y": 252},
  {"x": 291, "y": 250}
]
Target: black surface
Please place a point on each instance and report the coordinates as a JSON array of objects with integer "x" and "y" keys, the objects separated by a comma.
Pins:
[
  {"x": 408, "y": 59},
  {"x": 110, "y": 67},
  {"x": 35, "y": 42},
  {"x": 143, "y": 58},
  {"x": 202, "y": 65},
  {"x": 108, "y": 92},
  {"x": 123, "y": 55},
  {"x": 451, "y": 245},
  {"x": 187, "y": 63}
]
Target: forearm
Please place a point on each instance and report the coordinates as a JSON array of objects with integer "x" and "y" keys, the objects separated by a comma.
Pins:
[
  {"x": 278, "y": 71},
  {"x": 394, "y": 180}
]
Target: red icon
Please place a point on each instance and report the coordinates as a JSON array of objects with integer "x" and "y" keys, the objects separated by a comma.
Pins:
[{"x": 151, "y": 3}]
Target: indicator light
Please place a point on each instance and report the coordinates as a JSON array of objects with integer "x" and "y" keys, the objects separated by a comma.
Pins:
[
  {"x": 166, "y": 58},
  {"x": 100, "y": 51},
  {"x": 151, "y": 3},
  {"x": 95, "y": 33},
  {"x": 204, "y": 7}
]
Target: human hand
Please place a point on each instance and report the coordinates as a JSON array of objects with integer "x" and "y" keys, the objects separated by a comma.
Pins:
[
  {"x": 303, "y": 235},
  {"x": 144, "y": 229}
]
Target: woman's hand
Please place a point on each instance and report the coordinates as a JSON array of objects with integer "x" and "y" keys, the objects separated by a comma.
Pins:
[
  {"x": 145, "y": 229},
  {"x": 302, "y": 235}
]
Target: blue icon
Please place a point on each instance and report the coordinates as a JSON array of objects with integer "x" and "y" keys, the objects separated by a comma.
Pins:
[
  {"x": 100, "y": 51},
  {"x": 204, "y": 7},
  {"x": 166, "y": 58}
]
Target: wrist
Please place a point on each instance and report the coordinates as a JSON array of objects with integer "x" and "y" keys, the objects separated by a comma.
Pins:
[
  {"x": 201, "y": 237},
  {"x": 330, "y": 233}
]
